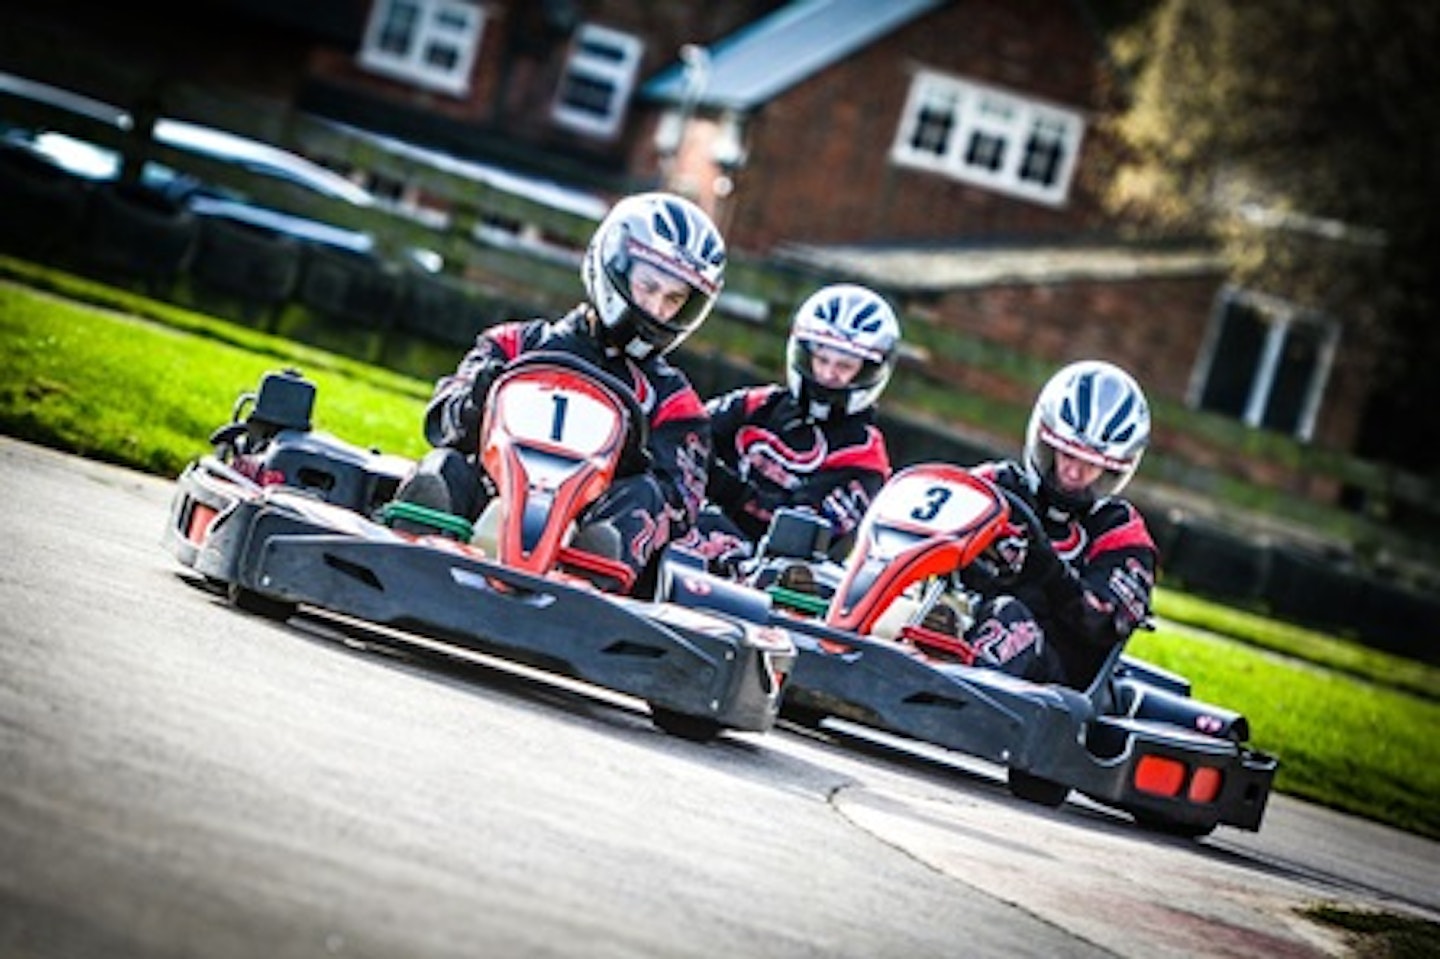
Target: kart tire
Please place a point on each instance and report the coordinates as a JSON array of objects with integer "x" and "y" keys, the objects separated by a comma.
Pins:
[
  {"x": 1031, "y": 788},
  {"x": 807, "y": 716},
  {"x": 697, "y": 729},
  {"x": 1168, "y": 827},
  {"x": 258, "y": 604}
]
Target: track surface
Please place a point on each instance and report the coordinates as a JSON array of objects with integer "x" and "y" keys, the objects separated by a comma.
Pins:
[{"x": 180, "y": 779}]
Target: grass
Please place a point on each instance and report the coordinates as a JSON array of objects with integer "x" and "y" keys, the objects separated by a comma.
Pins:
[
  {"x": 1298, "y": 642},
  {"x": 121, "y": 378},
  {"x": 1380, "y": 935},
  {"x": 1355, "y": 745},
  {"x": 117, "y": 387}
]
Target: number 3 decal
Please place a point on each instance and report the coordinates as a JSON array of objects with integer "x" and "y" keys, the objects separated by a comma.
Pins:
[{"x": 935, "y": 499}]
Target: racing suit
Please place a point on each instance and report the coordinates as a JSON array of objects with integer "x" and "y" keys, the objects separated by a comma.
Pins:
[
  {"x": 648, "y": 508},
  {"x": 1066, "y": 616},
  {"x": 769, "y": 454}
]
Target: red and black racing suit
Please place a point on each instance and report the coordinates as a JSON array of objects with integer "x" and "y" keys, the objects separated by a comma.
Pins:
[
  {"x": 1076, "y": 610},
  {"x": 769, "y": 454},
  {"x": 648, "y": 509}
]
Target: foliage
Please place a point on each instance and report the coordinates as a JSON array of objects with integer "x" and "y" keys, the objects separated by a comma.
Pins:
[{"x": 1302, "y": 135}]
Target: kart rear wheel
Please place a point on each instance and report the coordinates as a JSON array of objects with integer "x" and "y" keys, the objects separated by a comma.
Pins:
[
  {"x": 1169, "y": 827},
  {"x": 249, "y": 601},
  {"x": 697, "y": 729},
  {"x": 1031, "y": 788}
]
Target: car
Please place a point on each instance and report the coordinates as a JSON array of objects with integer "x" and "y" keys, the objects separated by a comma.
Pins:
[
  {"x": 98, "y": 164},
  {"x": 288, "y": 521},
  {"x": 1135, "y": 740}
]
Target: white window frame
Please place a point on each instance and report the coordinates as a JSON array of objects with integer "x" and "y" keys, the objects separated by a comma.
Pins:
[
  {"x": 407, "y": 51},
  {"x": 1280, "y": 318},
  {"x": 588, "y": 63},
  {"x": 975, "y": 122}
]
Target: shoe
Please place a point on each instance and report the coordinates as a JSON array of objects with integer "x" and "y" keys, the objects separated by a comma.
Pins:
[
  {"x": 598, "y": 539},
  {"x": 942, "y": 619},
  {"x": 425, "y": 489},
  {"x": 798, "y": 578}
]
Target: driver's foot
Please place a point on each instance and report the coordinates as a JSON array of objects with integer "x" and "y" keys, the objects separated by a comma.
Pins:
[
  {"x": 425, "y": 489},
  {"x": 598, "y": 539},
  {"x": 798, "y": 578},
  {"x": 942, "y": 618}
]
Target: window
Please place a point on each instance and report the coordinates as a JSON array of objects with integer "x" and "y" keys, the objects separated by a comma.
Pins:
[
  {"x": 595, "y": 89},
  {"x": 988, "y": 137},
  {"x": 1265, "y": 362},
  {"x": 430, "y": 43}
]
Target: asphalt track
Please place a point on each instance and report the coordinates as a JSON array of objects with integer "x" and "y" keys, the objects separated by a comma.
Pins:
[{"x": 181, "y": 779}]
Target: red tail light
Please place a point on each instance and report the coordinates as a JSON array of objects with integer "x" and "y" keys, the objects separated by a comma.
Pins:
[
  {"x": 1205, "y": 784},
  {"x": 1161, "y": 776}
]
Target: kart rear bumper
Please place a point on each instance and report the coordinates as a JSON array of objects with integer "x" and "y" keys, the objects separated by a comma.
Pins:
[{"x": 1160, "y": 772}]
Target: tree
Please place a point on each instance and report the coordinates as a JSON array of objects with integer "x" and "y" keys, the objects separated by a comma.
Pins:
[{"x": 1304, "y": 136}]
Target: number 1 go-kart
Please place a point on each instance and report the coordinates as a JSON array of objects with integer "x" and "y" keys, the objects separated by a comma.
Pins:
[
  {"x": 1134, "y": 740},
  {"x": 281, "y": 517}
]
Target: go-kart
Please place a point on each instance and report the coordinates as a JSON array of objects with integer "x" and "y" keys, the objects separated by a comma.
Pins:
[
  {"x": 281, "y": 517},
  {"x": 1134, "y": 740}
]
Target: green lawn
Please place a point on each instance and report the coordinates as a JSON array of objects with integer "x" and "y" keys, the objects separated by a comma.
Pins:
[{"x": 121, "y": 378}]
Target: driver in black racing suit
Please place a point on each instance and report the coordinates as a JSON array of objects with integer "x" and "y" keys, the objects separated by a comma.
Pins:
[
  {"x": 652, "y": 272},
  {"x": 811, "y": 444},
  {"x": 1083, "y": 583}
]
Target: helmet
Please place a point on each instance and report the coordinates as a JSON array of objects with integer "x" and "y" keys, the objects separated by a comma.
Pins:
[
  {"x": 671, "y": 235},
  {"x": 1096, "y": 412},
  {"x": 848, "y": 319}
]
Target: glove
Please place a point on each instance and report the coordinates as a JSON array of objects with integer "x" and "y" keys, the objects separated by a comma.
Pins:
[
  {"x": 486, "y": 373},
  {"x": 1025, "y": 540},
  {"x": 1009, "y": 550}
]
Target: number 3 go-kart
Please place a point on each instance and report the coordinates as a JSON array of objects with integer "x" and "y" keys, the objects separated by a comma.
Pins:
[
  {"x": 1134, "y": 740},
  {"x": 281, "y": 517}
]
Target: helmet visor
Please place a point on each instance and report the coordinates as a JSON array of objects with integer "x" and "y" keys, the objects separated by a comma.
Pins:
[{"x": 667, "y": 301}]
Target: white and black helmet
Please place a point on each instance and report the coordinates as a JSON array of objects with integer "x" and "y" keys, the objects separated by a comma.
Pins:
[
  {"x": 1096, "y": 412},
  {"x": 849, "y": 319},
  {"x": 671, "y": 234}
]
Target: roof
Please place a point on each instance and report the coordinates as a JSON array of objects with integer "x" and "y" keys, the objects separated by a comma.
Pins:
[
  {"x": 767, "y": 57},
  {"x": 916, "y": 270}
]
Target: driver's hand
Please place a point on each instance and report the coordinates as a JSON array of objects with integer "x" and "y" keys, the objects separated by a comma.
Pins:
[{"x": 1010, "y": 548}]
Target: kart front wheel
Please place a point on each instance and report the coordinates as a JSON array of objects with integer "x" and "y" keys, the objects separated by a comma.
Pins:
[
  {"x": 807, "y": 716},
  {"x": 697, "y": 729},
  {"x": 258, "y": 604},
  {"x": 1031, "y": 788}
]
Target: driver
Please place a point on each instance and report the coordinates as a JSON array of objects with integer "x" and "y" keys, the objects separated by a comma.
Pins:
[
  {"x": 813, "y": 443},
  {"x": 652, "y": 272},
  {"x": 1081, "y": 583}
]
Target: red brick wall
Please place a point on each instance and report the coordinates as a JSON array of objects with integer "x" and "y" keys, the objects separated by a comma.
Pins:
[
  {"x": 1153, "y": 327},
  {"x": 819, "y": 168},
  {"x": 514, "y": 81}
]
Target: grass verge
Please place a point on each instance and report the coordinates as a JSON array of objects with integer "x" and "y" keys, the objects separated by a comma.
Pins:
[{"x": 120, "y": 378}]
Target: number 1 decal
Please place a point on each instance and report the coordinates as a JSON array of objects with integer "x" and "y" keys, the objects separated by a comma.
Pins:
[
  {"x": 557, "y": 422},
  {"x": 935, "y": 499}
]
